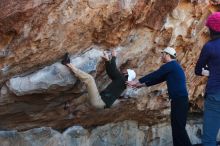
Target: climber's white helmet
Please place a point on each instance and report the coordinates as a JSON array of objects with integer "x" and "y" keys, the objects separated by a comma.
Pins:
[{"x": 131, "y": 74}]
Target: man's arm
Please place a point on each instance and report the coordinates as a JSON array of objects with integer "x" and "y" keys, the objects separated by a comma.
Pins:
[
  {"x": 157, "y": 81},
  {"x": 153, "y": 78},
  {"x": 156, "y": 77}
]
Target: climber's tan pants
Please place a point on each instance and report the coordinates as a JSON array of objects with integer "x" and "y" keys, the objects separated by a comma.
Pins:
[{"x": 94, "y": 96}]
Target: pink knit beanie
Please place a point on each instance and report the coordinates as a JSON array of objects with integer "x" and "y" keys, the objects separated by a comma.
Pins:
[{"x": 213, "y": 21}]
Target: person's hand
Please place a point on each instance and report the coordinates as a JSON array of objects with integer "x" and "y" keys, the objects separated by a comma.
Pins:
[
  {"x": 114, "y": 53},
  {"x": 134, "y": 84},
  {"x": 105, "y": 56},
  {"x": 205, "y": 72}
]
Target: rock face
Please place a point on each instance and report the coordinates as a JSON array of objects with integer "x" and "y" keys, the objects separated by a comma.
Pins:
[
  {"x": 127, "y": 133},
  {"x": 53, "y": 75},
  {"x": 35, "y": 34}
]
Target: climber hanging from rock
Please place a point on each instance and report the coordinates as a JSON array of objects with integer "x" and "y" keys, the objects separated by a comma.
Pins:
[{"x": 109, "y": 96}]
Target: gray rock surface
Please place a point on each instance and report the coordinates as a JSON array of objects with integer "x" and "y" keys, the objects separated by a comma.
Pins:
[
  {"x": 127, "y": 133},
  {"x": 54, "y": 77}
]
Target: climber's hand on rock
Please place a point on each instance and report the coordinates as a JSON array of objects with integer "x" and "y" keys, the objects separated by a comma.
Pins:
[{"x": 105, "y": 56}]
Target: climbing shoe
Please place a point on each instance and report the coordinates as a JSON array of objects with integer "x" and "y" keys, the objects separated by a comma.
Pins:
[{"x": 66, "y": 59}]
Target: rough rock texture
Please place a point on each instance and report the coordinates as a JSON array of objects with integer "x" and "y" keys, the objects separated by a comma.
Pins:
[
  {"x": 53, "y": 75},
  {"x": 127, "y": 133},
  {"x": 35, "y": 34}
]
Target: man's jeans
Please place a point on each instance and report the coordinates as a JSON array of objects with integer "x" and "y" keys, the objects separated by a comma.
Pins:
[
  {"x": 211, "y": 119},
  {"x": 88, "y": 80},
  {"x": 179, "y": 110}
]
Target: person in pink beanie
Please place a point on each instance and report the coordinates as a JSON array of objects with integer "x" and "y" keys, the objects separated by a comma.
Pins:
[
  {"x": 208, "y": 65},
  {"x": 213, "y": 23}
]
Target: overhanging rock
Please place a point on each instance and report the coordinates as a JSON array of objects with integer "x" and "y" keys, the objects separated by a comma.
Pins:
[{"x": 55, "y": 77}]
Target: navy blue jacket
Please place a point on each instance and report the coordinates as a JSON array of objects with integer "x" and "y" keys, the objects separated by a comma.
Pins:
[
  {"x": 174, "y": 76},
  {"x": 210, "y": 57},
  {"x": 116, "y": 87}
]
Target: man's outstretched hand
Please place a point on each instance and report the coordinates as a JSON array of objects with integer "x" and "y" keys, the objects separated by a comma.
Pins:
[{"x": 134, "y": 84}]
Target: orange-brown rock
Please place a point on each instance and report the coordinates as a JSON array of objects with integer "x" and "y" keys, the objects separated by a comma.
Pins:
[{"x": 34, "y": 35}]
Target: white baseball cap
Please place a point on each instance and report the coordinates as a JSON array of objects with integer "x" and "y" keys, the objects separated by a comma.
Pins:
[
  {"x": 131, "y": 74},
  {"x": 170, "y": 50}
]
